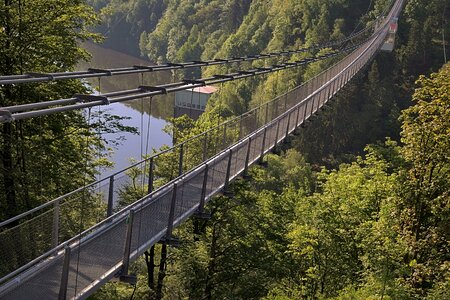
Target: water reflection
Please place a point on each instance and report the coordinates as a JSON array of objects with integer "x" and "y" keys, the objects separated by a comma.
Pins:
[{"x": 147, "y": 115}]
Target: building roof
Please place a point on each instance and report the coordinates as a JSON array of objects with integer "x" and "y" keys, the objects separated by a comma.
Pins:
[{"x": 208, "y": 89}]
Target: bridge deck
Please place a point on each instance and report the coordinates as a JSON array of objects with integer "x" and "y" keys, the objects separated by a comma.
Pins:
[{"x": 98, "y": 254}]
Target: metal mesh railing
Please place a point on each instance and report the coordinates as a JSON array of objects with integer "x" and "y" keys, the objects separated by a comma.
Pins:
[
  {"x": 87, "y": 260},
  {"x": 74, "y": 212}
]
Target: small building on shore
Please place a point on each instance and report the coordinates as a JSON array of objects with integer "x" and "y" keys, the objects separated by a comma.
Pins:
[{"x": 192, "y": 102}]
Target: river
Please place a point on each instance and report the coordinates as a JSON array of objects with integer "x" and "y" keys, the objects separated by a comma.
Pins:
[{"x": 125, "y": 146}]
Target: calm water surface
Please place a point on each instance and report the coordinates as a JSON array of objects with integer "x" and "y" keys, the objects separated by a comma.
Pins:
[{"x": 127, "y": 146}]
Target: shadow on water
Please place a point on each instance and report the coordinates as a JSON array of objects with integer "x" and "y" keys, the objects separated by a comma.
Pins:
[{"x": 142, "y": 115}]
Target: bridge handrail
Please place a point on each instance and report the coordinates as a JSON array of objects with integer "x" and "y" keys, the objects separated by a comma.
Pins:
[
  {"x": 155, "y": 155},
  {"x": 346, "y": 73}
]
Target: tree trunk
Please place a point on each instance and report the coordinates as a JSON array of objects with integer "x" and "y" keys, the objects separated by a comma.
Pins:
[
  {"x": 162, "y": 272},
  {"x": 211, "y": 265},
  {"x": 150, "y": 262}
]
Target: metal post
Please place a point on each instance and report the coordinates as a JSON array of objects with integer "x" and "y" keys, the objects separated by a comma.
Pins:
[
  {"x": 65, "y": 274},
  {"x": 276, "y": 109},
  {"x": 201, "y": 206},
  {"x": 263, "y": 145},
  {"x": 298, "y": 116},
  {"x": 247, "y": 158},
  {"x": 287, "y": 127},
  {"x": 180, "y": 162},
  {"x": 267, "y": 114},
  {"x": 335, "y": 90},
  {"x": 276, "y": 134},
  {"x": 127, "y": 248},
  {"x": 285, "y": 102},
  {"x": 205, "y": 144},
  {"x": 110, "y": 197},
  {"x": 150, "y": 176},
  {"x": 172, "y": 212},
  {"x": 240, "y": 127},
  {"x": 224, "y": 141},
  {"x": 316, "y": 105},
  {"x": 312, "y": 105},
  {"x": 305, "y": 112},
  {"x": 328, "y": 93},
  {"x": 320, "y": 102},
  {"x": 55, "y": 227},
  {"x": 227, "y": 176},
  {"x": 256, "y": 119},
  {"x": 274, "y": 149}
]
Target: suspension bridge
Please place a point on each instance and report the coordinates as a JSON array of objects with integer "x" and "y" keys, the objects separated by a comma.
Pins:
[{"x": 43, "y": 258}]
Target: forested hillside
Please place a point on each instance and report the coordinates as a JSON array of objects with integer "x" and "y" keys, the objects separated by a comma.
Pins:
[
  {"x": 342, "y": 212},
  {"x": 356, "y": 206},
  {"x": 192, "y": 30}
]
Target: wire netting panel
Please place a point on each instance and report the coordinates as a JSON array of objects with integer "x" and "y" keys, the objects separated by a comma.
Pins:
[
  {"x": 94, "y": 258},
  {"x": 191, "y": 191},
  {"x": 219, "y": 169},
  {"x": 239, "y": 157},
  {"x": 256, "y": 145},
  {"x": 24, "y": 242},
  {"x": 270, "y": 136},
  {"x": 155, "y": 216}
]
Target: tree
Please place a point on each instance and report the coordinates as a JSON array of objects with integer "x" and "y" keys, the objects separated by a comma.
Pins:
[
  {"x": 42, "y": 36},
  {"x": 425, "y": 211}
]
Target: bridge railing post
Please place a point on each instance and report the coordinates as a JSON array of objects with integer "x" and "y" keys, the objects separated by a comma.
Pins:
[
  {"x": 319, "y": 100},
  {"x": 247, "y": 157},
  {"x": 305, "y": 111},
  {"x": 65, "y": 274},
  {"x": 276, "y": 109},
  {"x": 298, "y": 116},
  {"x": 127, "y": 246},
  {"x": 205, "y": 147},
  {"x": 201, "y": 206},
  {"x": 276, "y": 136},
  {"x": 327, "y": 94},
  {"x": 110, "y": 197},
  {"x": 335, "y": 86},
  {"x": 180, "y": 160},
  {"x": 55, "y": 225},
  {"x": 312, "y": 100},
  {"x": 288, "y": 126},
  {"x": 173, "y": 203},
  {"x": 224, "y": 140},
  {"x": 256, "y": 119},
  {"x": 150, "y": 175},
  {"x": 341, "y": 80},
  {"x": 263, "y": 145},
  {"x": 228, "y": 173},
  {"x": 240, "y": 127},
  {"x": 322, "y": 97}
]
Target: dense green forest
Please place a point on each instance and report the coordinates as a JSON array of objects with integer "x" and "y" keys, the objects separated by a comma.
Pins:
[
  {"x": 343, "y": 212},
  {"x": 357, "y": 206}
]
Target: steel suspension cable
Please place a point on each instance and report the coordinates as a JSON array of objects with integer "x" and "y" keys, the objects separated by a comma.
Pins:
[
  {"x": 80, "y": 101},
  {"x": 34, "y": 77}
]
